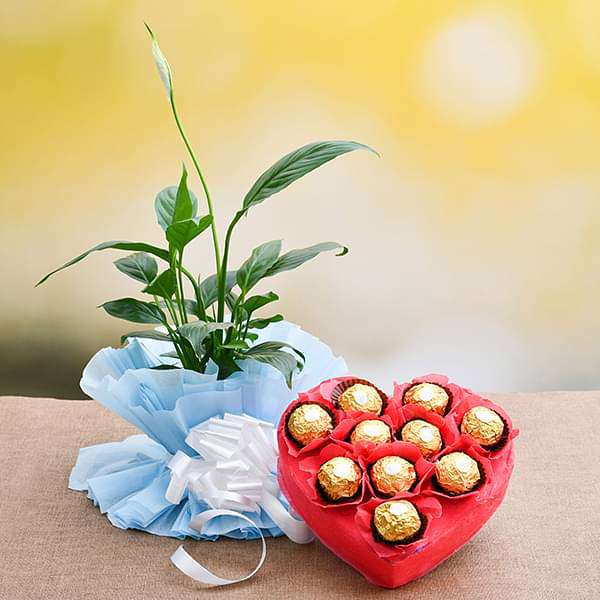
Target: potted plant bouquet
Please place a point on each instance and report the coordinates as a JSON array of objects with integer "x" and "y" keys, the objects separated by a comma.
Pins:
[{"x": 212, "y": 376}]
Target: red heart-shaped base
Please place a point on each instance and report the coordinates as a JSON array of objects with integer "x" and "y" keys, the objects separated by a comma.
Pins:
[{"x": 346, "y": 528}]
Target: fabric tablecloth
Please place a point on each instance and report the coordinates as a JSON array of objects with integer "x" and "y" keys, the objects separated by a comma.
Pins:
[{"x": 543, "y": 543}]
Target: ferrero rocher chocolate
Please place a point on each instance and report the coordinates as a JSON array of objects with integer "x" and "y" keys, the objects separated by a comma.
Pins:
[
  {"x": 424, "y": 435},
  {"x": 361, "y": 397},
  {"x": 392, "y": 474},
  {"x": 371, "y": 430},
  {"x": 457, "y": 473},
  {"x": 339, "y": 478},
  {"x": 397, "y": 521},
  {"x": 428, "y": 395},
  {"x": 308, "y": 422},
  {"x": 483, "y": 425}
]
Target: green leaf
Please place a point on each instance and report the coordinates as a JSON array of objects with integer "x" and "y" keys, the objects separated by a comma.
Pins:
[
  {"x": 139, "y": 266},
  {"x": 209, "y": 289},
  {"x": 198, "y": 331},
  {"x": 295, "y": 258},
  {"x": 295, "y": 165},
  {"x": 164, "y": 367},
  {"x": 150, "y": 334},
  {"x": 255, "y": 302},
  {"x": 175, "y": 203},
  {"x": 134, "y": 310},
  {"x": 181, "y": 233},
  {"x": 227, "y": 365},
  {"x": 184, "y": 205},
  {"x": 274, "y": 345},
  {"x": 231, "y": 299},
  {"x": 191, "y": 307},
  {"x": 237, "y": 345},
  {"x": 263, "y": 322},
  {"x": 272, "y": 353},
  {"x": 189, "y": 358},
  {"x": 261, "y": 260},
  {"x": 252, "y": 336},
  {"x": 172, "y": 354},
  {"x": 164, "y": 285},
  {"x": 114, "y": 245}
]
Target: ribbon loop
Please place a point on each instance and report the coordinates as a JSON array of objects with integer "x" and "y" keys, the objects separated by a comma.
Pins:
[
  {"x": 234, "y": 473},
  {"x": 192, "y": 568}
]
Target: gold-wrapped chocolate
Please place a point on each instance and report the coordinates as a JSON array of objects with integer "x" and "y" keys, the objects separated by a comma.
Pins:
[
  {"x": 308, "y": 422},
  {"x": 428, "y": 395},
  {"x": 361, "y": 397},
  {"x": 371, "y": 430},
  {"x": 339, "y": 478},
  {"x": 483, "y": 425},
  {"x": 457, "y": 473},
  {"x": 424, "y": 435},
  {"x": 397, "y": 521},
  {"x": 392, "y": 474}
]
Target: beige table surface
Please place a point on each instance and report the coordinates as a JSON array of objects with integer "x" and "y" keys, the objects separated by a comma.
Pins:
[{"x": 542, "y": 543}]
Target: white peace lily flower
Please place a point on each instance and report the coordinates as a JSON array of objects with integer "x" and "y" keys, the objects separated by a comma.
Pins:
[{"x": 164, "y": 70}]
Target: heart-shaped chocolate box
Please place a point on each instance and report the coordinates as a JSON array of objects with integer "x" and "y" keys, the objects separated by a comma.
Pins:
[{"x": 346, "y": 528}]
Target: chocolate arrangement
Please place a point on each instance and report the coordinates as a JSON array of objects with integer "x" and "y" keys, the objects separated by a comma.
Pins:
[{"x": 392, "y": 485}]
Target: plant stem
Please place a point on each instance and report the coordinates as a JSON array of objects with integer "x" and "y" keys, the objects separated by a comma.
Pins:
[
  {"x": 180, "y": 286},
  {"x": 178, "y": 300},
  {"x": 235, "y": 318},
  {"x": 172, "y": 312},
  {"x": 199, "y": 299},
  {"x": 223, "y": 278},
  {"x": 172, "y": 333},
  {"x": 178, "y": 349},
  {"x": 246, "y": 327},
  {"x": 202, "y": 181},
  {"x": 204, "y": 362},
  {"x": 169, "y": 308}
]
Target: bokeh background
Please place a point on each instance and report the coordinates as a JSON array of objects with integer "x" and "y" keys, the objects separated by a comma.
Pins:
[{"x": 474, "y": 239}]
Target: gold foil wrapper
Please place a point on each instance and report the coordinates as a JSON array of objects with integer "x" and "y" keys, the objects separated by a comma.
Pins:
[
  {"x": 457, "y": 473},
  {"x": 424, "y": 435},
  {"x": 483, "y": 425},
  {"x": 339, "y": 478},
  {"x": 361, "y": 397},
  {"x": 371, "y": 430},
  {"x": 392, "y": 474},
  {"x": 428, "y": 395},
  {"x": 309, "y": 422},
  {"x": 397, "y": 521}
]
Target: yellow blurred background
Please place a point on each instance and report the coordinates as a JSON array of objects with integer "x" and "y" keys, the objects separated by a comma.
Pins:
[{"x": 474, "y": 246}]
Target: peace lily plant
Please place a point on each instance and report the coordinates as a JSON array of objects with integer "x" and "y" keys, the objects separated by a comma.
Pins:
[{"x": 198, "y": 327}]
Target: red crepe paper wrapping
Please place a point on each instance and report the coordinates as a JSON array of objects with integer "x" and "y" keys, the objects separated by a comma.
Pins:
[{"x": 346, "y": 527}]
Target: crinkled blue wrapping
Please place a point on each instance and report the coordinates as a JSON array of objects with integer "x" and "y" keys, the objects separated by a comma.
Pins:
[{"x": 127, "y": 480}]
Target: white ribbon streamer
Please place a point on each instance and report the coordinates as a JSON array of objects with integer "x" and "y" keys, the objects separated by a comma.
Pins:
[
  {"x": 235, "y": 473},
  {"x": 192, "y": 568}
]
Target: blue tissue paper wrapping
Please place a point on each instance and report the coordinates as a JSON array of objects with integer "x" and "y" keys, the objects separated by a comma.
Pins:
[{"x": 127, "y": 480}]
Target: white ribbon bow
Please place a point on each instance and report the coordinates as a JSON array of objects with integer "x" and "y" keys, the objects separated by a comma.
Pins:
[{"x": 235, "y": 472}]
